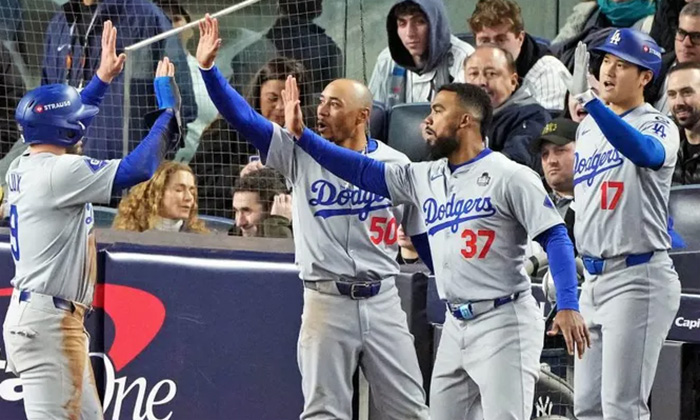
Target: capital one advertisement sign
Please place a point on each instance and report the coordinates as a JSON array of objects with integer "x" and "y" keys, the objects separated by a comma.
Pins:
[{"x": 186, "y": 338}]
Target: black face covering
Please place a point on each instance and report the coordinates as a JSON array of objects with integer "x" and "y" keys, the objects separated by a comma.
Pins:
[{"x": 443, "y": 147}]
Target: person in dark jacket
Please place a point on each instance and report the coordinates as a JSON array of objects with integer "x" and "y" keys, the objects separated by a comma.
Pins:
[
  {"x": 500, "y": 22},
  {"x": 684, "y": 101},
  {"x": 294, "y": 35},
  {"x": 11, "y": 91},
  {"x": 72, "y": 53},
  {"x": 517, "y": 117}
]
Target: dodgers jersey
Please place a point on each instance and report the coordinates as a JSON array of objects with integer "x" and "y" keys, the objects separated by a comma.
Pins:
[
  {"x": 478, "y": 219},
  {"x": 622, "y": 208},
  {"x": 340, "y": 231},
  {"x": 51, "y": 222}
]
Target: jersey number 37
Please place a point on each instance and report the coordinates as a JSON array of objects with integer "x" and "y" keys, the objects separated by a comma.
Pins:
[{"x": 14, "y": 239}]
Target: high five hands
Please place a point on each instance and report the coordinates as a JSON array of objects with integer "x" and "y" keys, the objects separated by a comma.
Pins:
[
  {"x": 293, "y": 117},
  {"x": 209, "y": 42}
]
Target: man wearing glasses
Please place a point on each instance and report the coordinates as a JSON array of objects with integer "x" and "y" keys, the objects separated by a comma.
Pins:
[{"x": 686, "y": 48}]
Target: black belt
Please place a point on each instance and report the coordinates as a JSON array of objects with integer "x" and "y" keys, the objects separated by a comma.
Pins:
[
  {"x": 355, "y": 290},
  {"x": 59, "y": 303}
]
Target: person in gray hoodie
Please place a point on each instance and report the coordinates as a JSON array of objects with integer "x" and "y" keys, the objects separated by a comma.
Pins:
[
  {"x": 518, "y": 118},
  {"x": 422, "y": 54}
]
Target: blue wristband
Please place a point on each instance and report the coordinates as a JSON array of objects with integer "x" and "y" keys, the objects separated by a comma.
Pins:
[{"x": 164, "y": 92}]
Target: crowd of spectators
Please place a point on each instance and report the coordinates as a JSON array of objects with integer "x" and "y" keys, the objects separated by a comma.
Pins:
[{"x": 218, "y": 174}]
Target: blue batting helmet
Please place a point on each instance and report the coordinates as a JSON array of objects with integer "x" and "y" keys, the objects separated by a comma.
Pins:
[
  {"x": 53, "y": 114},
  {"x": 635, "y": 47}
]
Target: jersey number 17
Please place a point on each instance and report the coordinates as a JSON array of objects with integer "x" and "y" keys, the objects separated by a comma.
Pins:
[{"x": 610, "y": 193}]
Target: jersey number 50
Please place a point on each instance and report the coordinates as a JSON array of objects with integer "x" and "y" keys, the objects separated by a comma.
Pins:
[
  {"x": 14, "y": 239},
  {"x": 384, "y": 230}
]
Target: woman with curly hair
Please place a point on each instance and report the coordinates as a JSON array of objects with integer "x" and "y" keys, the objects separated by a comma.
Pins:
[{"x": 166, "y": 202}]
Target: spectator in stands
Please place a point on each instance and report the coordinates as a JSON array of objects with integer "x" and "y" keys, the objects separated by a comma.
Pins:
[
  {"x": 72, "y": 53},
  {"x": 556, "y": 148},
  {"x": 500, "y": 22},
  {"x": 591, "y": 22},
  {"x": 407, "y": 252},
  {"x": 11, "y": 91},
  {"x": 166, "y": 202},
  {"x": 517, "y": 117},
  {"x": 222, "y": 152},
  {"x": 206, "y": 111},
  {"x": 261, "y": 206},
  {"x": 294, "y": 35},
  {"x": 422, "y": 54},
  {"x": 686, "y": 50},
  {"x": 684, "y": 101}
]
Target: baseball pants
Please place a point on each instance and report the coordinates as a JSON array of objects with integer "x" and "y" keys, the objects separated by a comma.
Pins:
[
  {"x": 629, "y": 311},
  {"x": 338, "y": 333},
  {"x": 48, "y": 349},
  {"x": 487, "y": 367}
]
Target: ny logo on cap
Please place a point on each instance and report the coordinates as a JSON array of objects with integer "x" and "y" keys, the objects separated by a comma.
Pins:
[{"x": 615, "y": 38}]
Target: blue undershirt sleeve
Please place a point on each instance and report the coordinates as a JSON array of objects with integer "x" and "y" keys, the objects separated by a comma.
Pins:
[{"x": 562, "y": 265}]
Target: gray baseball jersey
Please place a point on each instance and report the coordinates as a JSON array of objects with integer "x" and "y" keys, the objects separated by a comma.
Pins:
[
  {"x": 340, "y": 231},
  {"x": 478, "y": 220},
  {"x": 51, "y": 222},
  {"x": 617, "y": 199}
]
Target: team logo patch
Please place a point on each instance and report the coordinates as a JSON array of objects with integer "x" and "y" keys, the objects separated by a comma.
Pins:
[
  {"x": 483, "y": 180},
  {"x": 548, "y": 202},
  {"x": 95, "y": 164},
  {"x": 549, "y": 128}
]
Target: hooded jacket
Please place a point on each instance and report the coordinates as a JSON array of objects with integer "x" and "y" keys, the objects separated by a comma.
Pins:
[
  {"x": 396, "y": 79},
  {"x": 135, "y": 20},
  {"x": 516, "y": 123}
]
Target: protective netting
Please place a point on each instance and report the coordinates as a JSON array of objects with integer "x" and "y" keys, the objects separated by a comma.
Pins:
[{"x": 58, "y": 41}]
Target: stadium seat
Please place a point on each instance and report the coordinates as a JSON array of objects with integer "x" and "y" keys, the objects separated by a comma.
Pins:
[
  {"x": 404, "y": 130},
  {"x": 217, "y": 224},
  {"x": 683, "y": 206},
  {"x": 468, "y": 37},
  {"x": 377, "y": 121},
  {"x": 104, "y": 216}
]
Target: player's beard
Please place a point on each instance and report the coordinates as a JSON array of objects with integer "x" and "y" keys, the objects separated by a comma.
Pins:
[{"x": 443, "y": 147}]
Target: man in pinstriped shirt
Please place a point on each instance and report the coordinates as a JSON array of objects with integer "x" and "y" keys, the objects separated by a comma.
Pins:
[{"x": 500, "y": 22}]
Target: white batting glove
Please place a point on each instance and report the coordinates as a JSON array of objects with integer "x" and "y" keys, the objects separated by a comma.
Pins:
[{"x": 580, "y": 89}]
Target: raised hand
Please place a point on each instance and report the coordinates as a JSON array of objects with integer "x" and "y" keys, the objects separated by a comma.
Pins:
[
  {"x": 293, "y": 117},
  {"x": 167, "y": 92},
  {"x": 111, "y": 64},
  {"x": 579, "y": 82},
  {"x": 209, "y": 41},
  {"x": 282, "y": 206}
]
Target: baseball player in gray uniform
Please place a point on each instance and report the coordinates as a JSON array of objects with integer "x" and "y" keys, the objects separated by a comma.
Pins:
[
  {"x": 52, "y": 235},
  {"x": 479, "y": 208},
  {"x": 625, "y": 156},
  {"x": 346, "y": 243}
]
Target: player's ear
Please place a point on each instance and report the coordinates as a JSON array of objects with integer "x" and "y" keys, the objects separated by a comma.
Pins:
[
  {"x": 465, "y": 120},
  {"x": 647, "y": 77},
  {"x": 363, "y": 116}
]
